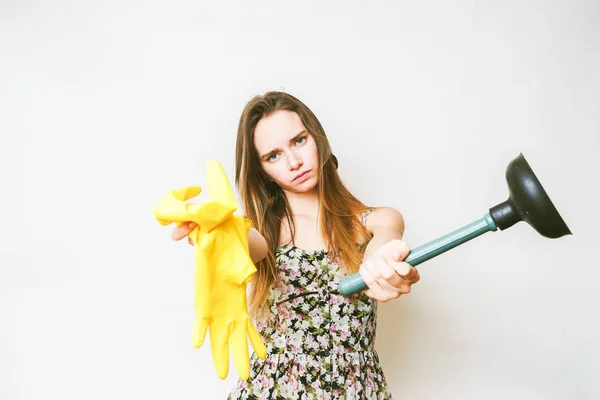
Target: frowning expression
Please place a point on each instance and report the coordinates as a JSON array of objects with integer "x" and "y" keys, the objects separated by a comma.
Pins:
[{"x": 287, "y": 152}]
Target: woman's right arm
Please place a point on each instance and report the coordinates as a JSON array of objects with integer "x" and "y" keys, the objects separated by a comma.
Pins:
[{"x": 256, "y": 242}]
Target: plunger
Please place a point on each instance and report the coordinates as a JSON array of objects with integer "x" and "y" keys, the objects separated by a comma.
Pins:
[{"x": 527, "y": 202}]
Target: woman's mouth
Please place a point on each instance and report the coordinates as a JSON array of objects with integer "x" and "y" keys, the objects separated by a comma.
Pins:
[{"x": 301, "y": 177}]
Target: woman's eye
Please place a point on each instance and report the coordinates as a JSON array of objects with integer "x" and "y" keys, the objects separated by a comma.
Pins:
[
  {"x": 301, "y": 140},
  {"x": 272, "y": 157}
]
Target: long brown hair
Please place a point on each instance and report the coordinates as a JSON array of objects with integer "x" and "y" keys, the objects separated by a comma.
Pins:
[{"x": 340, "y": 225}]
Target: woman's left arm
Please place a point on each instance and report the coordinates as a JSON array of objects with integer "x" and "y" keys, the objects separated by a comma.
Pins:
[{"x": 383, "y": 270}]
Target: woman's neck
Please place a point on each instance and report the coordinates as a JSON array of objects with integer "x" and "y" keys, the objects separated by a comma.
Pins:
[{"x": 303, "y": 204}]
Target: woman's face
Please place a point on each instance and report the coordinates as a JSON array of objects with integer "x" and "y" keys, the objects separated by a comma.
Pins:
[{"x": 287, "y": 152}]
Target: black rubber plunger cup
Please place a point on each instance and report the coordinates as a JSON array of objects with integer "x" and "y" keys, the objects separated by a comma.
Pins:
[{"x": 527, "y": 202}]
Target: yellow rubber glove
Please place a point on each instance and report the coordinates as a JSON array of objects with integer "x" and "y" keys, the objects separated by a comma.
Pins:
[{"x": 223, "y": 268}]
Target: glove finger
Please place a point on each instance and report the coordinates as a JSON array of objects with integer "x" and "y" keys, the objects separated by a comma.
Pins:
[
  {"x": 219, "y": 188},
  {"x": 256, "y": 341},
  {"x": 186, "y": 193},
  {"x": 239, "y": 347},
  {"x": 219, "y": 338},
  {"x": 199, "y": 333}
]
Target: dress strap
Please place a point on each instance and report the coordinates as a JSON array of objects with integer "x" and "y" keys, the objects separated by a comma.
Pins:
[{"x": 364, "y": 215}]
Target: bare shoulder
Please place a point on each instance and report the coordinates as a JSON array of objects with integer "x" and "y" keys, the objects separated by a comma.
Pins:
[{"x": 385, "y": 218}]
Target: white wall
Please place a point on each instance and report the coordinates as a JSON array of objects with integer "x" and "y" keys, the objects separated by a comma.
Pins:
[{"x": 108, "y": 105}]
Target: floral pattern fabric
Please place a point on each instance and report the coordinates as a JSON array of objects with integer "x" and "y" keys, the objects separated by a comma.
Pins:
[{"x": 320, "y": 344}]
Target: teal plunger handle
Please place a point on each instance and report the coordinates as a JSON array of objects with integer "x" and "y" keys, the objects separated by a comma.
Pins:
[{"x": 354, "y": 283}]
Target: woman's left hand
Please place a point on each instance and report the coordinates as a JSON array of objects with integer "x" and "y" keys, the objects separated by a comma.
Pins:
[{"x": 385, "y": 274}]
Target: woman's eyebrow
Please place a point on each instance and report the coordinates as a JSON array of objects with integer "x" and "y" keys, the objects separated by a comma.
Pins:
[{"x": 277, "y": 149}]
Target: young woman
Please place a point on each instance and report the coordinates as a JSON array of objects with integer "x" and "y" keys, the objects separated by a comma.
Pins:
[{"x": 310, "y": 232}]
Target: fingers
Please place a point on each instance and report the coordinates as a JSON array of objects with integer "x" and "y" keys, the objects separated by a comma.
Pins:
[
  {"x": 199, "y": 333},
  {"x": 406, "y": 271},
  {"x": 386, "y": 276},
  {"x": 399, "y": 250},
  {"x": 382, "y": 280},
  {"x": 182, "y": 230},
  {"x": 241, "y": 330},
  {"x": 256, "y": 341},
  {"x": 219, "y": 343},
  {"x": 412, "y": 276},
  {"x": 374, "y": 290},
  {"x": 239, "y": 348},
  {"x": 387, "y": 280}
]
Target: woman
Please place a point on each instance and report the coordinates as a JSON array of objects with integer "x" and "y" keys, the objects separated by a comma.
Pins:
[{"x": 310, "y": 232}]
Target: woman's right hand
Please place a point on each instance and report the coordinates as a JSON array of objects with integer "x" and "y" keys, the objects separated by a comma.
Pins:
[{"x": 183, "y": 230}]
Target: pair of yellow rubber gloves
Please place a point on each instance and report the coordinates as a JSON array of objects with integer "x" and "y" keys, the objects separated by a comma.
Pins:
[{"x": 223, "y": 268}]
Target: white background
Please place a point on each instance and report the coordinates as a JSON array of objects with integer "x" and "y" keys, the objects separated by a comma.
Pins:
[{"x": 106, "y": 106}]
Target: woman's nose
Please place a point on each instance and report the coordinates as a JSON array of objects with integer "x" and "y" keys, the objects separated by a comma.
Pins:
[{"x": 294, "y": 161}]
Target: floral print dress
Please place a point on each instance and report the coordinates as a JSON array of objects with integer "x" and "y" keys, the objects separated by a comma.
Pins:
[{"x": 320, "y": 344}]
